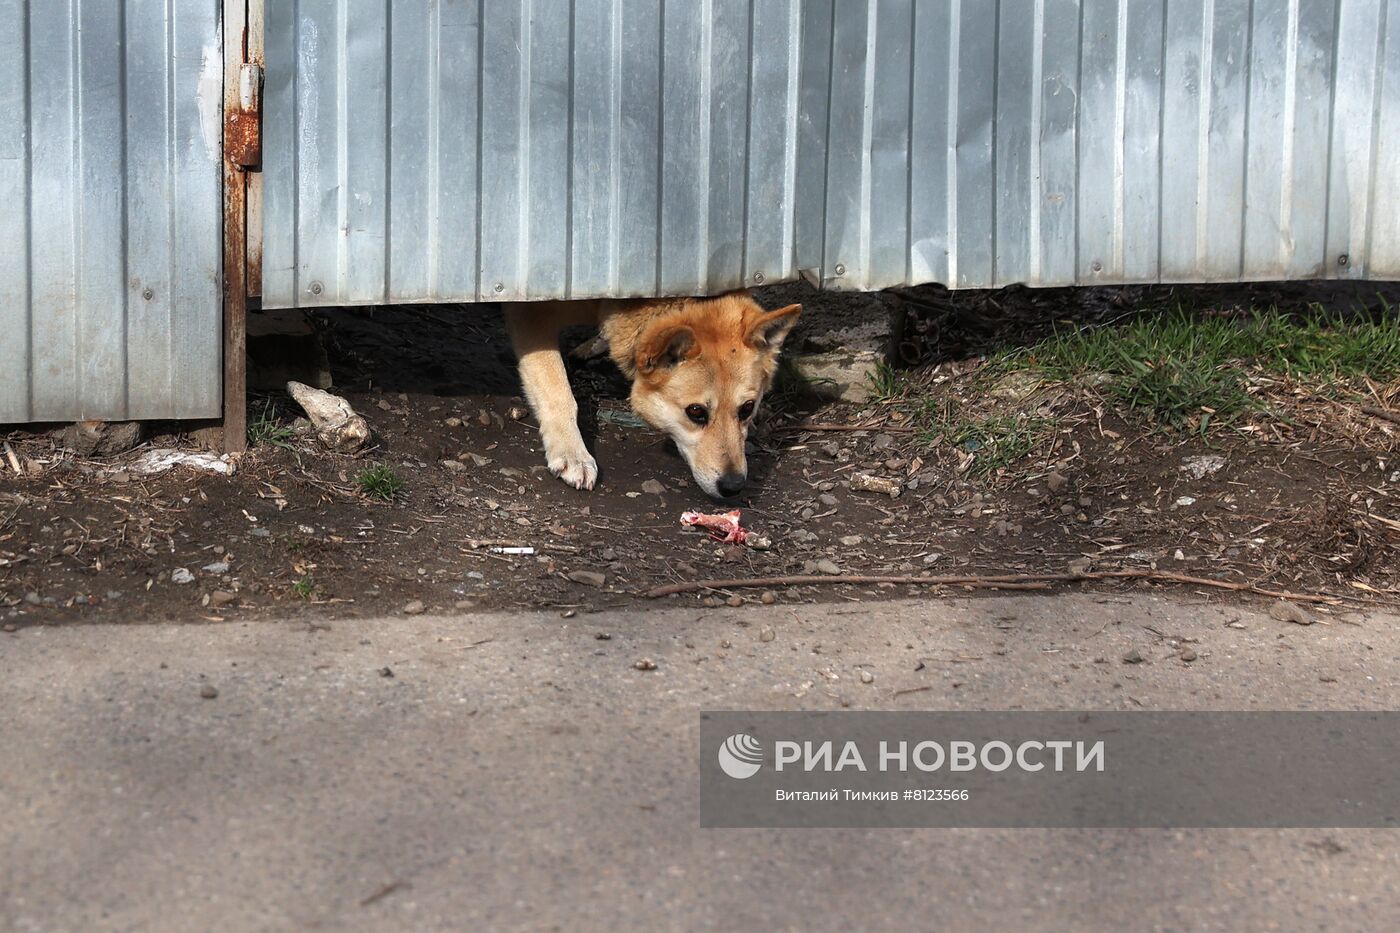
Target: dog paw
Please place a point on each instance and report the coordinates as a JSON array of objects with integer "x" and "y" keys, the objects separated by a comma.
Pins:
[{"x": 577, "y": 468}]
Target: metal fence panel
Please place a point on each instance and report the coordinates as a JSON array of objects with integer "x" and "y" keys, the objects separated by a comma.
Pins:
[
  {"x": 1102, "y": 141},
  {"x": 534, "y": 149},
  {"x": 110, "y": 302}
]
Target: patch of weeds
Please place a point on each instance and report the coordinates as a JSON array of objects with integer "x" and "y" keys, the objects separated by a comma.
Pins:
[
  {"x": 1325, "y": 345},
  {"x": 1179, "y": 366},
  {"x": 1173, "y": 391},
  {"x": 887, "y": 384},
  {"x": 264, "y": 430},
  {"x": 994, "y": 442},
  {"x": 304, "y": 588},
  {"x": 379, "y": 482}
]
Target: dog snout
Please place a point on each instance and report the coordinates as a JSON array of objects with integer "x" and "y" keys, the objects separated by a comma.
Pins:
[{"x": 731, "y": 484}]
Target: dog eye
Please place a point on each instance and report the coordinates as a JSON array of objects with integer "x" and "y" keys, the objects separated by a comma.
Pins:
[
  {"x": 745, "y": 411},
  {"x": 698, "y": 414}
]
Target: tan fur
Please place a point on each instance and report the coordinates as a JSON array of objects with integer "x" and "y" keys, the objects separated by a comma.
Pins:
[{"x": 715, "y": 352}]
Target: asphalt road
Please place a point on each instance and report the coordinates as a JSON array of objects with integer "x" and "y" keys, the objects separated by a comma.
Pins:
[{"x": 517, "y": 771}]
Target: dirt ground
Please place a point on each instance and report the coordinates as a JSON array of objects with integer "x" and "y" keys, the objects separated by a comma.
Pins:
[{"x": 1305, "y": 508}]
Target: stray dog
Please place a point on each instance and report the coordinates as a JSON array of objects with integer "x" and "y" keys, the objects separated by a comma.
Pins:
[{"x": 699, "y": 368}]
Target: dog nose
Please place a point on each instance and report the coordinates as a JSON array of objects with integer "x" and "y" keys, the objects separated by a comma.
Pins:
[{"x": 731, "y": 484}]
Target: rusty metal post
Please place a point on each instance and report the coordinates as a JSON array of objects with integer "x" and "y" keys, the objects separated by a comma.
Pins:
[{"x": 243, "y": 61}]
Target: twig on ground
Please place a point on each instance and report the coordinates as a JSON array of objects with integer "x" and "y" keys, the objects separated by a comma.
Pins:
[
  {"x": 816, "y": 428},
  {"x": 384, "y": 892},
  {"x": 1383, "y": 414},
  {"x": 1016, "y": 581}
]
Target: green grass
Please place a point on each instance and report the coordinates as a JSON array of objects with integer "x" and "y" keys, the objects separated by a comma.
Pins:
[
  {"x": 1177, "y": 367},
  {"x": 887, "y": 384},
  {"x": 304, "y": 588},
  {"x": 265, "y": 431},
  {"x": 995, "y": 442},
  {"x": 379, "y": 482}
]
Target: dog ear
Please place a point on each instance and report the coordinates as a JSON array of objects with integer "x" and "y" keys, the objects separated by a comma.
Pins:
[
  {"x": 665, "y": 347},
  {"x": 768, "y": 331}
]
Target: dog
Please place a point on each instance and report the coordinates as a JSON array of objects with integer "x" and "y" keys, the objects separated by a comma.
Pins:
[{"x": 699, "y": 369}]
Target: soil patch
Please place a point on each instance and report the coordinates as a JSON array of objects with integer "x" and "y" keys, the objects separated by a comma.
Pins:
[{"x": 292, "y": 532}]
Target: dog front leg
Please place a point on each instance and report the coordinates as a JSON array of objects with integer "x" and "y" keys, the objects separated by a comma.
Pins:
[{"x": 534, "y": 332}]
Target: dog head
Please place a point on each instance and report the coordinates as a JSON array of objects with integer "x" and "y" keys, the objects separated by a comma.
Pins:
[{"x": 701, "y": 373}]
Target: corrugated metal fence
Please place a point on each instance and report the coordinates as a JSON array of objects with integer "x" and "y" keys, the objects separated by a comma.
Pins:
[
  {"x": 462, "y": 150},
  {"x": 454, "y": 150},
  {"x": 109, "y": 210}
]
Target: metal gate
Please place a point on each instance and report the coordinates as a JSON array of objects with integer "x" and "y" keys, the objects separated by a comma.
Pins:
[
  {"x": 476, "y": 150},
  {"x": 462, "y": 150},
  {"x": 110, "y": 233}
]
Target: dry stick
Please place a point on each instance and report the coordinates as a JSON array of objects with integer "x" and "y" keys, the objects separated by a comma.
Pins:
[
  {"x": 1383, "y": 414},
  {"x": 1039, "y": 581},
  {"x": 888, "y": 429}
]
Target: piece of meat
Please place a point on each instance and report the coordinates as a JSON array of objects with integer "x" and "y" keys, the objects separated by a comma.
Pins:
[{"x": 722, "y": 526}]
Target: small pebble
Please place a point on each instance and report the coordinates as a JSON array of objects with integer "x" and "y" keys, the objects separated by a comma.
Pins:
[
  {"x": 645, "y": 664},
  {"x": 1133, "y": 657},
  {"x": 768, "y": 598},
  {"x": 1285, "y": 611},
  {"x": 208, "y": 691},
  {"x": 866, "y": 677},
  {"x": 587, "y": 577},
  {"x": 766, "y": 633},
  {"x": 734, "y": 602},
  {"x": 1188, "y": 655},
  {"x": 414, "y": 607}
]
